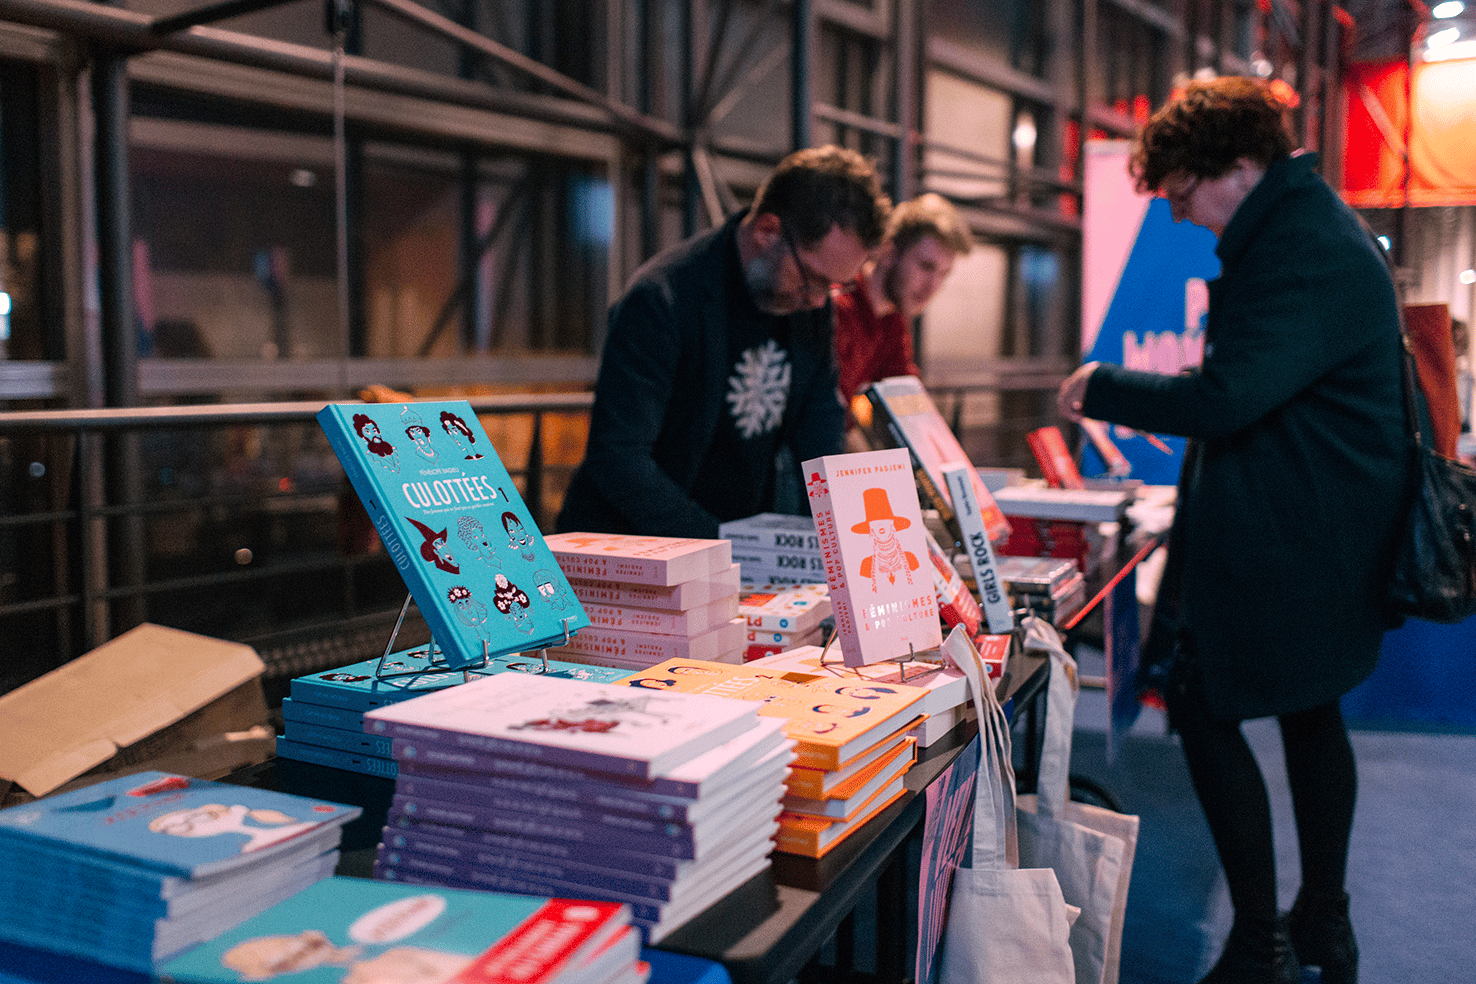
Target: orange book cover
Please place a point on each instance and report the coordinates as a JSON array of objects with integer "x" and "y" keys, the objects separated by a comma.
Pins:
[
  {"x": 830, "y": 720},
  {"x": 814, "y": 837}
]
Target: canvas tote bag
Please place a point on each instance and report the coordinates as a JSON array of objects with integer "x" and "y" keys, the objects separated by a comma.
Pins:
[
  {"x": 1089, "y": 847},
  {"x": 1005, "y": 925}
]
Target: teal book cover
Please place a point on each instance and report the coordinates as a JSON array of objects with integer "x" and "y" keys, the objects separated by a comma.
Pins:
[
  {"x": 400, "y": 676},
  {"x": 355, "y": 929},
  {"x": 169, "y": 824},
  {"x": 450, "y": 517}
]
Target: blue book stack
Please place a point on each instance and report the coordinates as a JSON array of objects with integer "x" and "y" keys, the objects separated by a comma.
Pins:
[
  {"x": 323, "y": 718},
  {"x": 132, "y": 870}
]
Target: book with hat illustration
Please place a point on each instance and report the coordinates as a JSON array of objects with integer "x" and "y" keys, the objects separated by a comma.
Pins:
[{"x": 875, "y": 548}]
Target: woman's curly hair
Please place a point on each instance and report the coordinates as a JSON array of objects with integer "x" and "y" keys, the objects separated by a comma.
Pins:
[{"x": 1211, "y": 126}]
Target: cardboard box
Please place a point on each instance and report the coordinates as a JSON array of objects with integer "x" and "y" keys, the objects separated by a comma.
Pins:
[{"x": 153, "y": 698}]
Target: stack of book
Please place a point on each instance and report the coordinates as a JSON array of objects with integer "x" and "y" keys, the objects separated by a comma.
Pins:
[
  {"x": 852, "y": 741},
  {"x": 323, "y": 718},
  {"x": 1052, "y": 588},
  {"x": 945, "y": 698},
  {"x": 778, "y": 617},
  {"x": 660, "y": 800},
  {"x": 773, "y": 548},
  {"x": 650, "y": 598},
  {"x": 133, "y": 870},
  {"x": 357, "y": 930}
]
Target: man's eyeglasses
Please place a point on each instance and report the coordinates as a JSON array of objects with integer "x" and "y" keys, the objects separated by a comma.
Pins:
[{"x": 813, "y": 283}]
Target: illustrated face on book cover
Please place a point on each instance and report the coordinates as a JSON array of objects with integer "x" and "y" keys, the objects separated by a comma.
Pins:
[
  {"x": 471, "y": 532},
  {"x": 216, "y": 819},
  {"x": 380, "y": 450},
  {"x": 461, "y": 435},
  {"x": 517, "y": 537},
  {"x": 888, "y": 559}
]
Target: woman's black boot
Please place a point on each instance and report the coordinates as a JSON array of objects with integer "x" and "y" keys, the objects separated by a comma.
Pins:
[
  {"x": 1323, "y": 936},
  {"x": 1256, "y": 952}
]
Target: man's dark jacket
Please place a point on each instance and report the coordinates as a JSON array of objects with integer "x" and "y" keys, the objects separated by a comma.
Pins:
[
  {"x": 1298, "y": 472},
  {"x": 662, "y": 390}
]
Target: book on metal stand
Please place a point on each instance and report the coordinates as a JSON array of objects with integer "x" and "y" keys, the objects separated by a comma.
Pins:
[{"x": 423, "y": 486}]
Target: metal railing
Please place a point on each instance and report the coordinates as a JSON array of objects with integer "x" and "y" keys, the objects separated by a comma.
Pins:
[{"x": 111, "y": 517}]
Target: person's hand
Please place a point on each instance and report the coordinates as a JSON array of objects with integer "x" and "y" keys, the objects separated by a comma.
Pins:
[{"x": 1073, "y": 391}]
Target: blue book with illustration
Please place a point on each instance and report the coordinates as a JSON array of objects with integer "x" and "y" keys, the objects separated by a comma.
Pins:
[
  {"x": 167, "y": 825},
  {"x": 355, "y": 929},
  {"x": 459, "y": 533}
]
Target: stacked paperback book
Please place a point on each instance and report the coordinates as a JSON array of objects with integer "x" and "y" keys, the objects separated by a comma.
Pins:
[
  {"x": 773, "y": 548},
  {"x": 133, "y": 870},
  {"x": 853, "y": 742},
  {"x": 523, "y": 783},
  {"x": 778, "y": 617},
  {"x": 650, "y": 598},
  {"x": 323, "y": 718},
  {"x": 945, "y": 692},
  {"x": 372, "y": 932},
  {"x": 1050, "y": 587}
]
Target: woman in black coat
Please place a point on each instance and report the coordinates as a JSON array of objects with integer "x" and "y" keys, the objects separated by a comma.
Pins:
[{"x": 1294, "y": 479}]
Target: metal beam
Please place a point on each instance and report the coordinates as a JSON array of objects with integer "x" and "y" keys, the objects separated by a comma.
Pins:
[{"x": 213, "y": 13}]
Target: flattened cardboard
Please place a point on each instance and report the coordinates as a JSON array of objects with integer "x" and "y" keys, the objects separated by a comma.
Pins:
[{"x": 111, "y": 707}]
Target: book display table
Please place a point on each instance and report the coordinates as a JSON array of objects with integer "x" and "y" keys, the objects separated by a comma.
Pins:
[{"x": 769, "y": 928}]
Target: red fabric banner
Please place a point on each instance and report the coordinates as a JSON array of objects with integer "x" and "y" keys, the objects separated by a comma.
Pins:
[{"x": 1441, "y": 133}]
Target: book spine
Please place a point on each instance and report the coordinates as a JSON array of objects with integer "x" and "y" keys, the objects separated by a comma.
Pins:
[
  {"x": 438, "y": 840},
  {"x": 424, "y": 874},
  {"x": 309, "y": 691},
  {"x": 347, "y": 741},
  {"x": 419, "y": 755},
  {"x": 570, "y": 800},
  {"x": 626, "y": 570},
  {"x": 758, "y": 561},
  {"x": 981, "y": 552},
  {"x": 491, "y": 862},
  {"x": 772, "y": 538},
  {"x": 530, "y": 825},
  {"x": 492, "y": 744},
  {"x": 335, "y": 758},
  {"x": 323, "y": 715},
  {"x": 841, "y": 604}
]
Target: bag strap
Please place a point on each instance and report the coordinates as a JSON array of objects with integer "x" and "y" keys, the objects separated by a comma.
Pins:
[
  {"x": 995, "y": 835},
  {"x": 1053, "y": 781}
]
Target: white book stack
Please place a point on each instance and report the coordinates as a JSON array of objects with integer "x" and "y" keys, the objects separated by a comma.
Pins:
[
  {"x": 661, "y": 800},
  {"x": 772, "y": 548},
  {"x": 650, "y": 599}
]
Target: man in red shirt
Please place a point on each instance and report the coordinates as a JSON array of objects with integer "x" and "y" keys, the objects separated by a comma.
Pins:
[{"x": 874, "y": 314}]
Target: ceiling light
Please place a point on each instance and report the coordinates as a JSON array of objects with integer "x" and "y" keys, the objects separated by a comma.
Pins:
[
  {"x": 1468, "y": 277},
  {"x": 1450, "y": 8}
]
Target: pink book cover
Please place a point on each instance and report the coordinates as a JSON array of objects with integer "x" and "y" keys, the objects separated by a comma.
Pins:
[
  {"x": 655, "y": 621},
  {"x": 872, "y": 537},
  {"x": 662, "y": 560},
  {"x": 677, "y": 597},
  {"x": 644, "y": 648}
]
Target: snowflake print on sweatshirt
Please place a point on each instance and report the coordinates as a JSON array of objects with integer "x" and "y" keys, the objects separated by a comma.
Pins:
[{"x": 758, "y": 390}]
